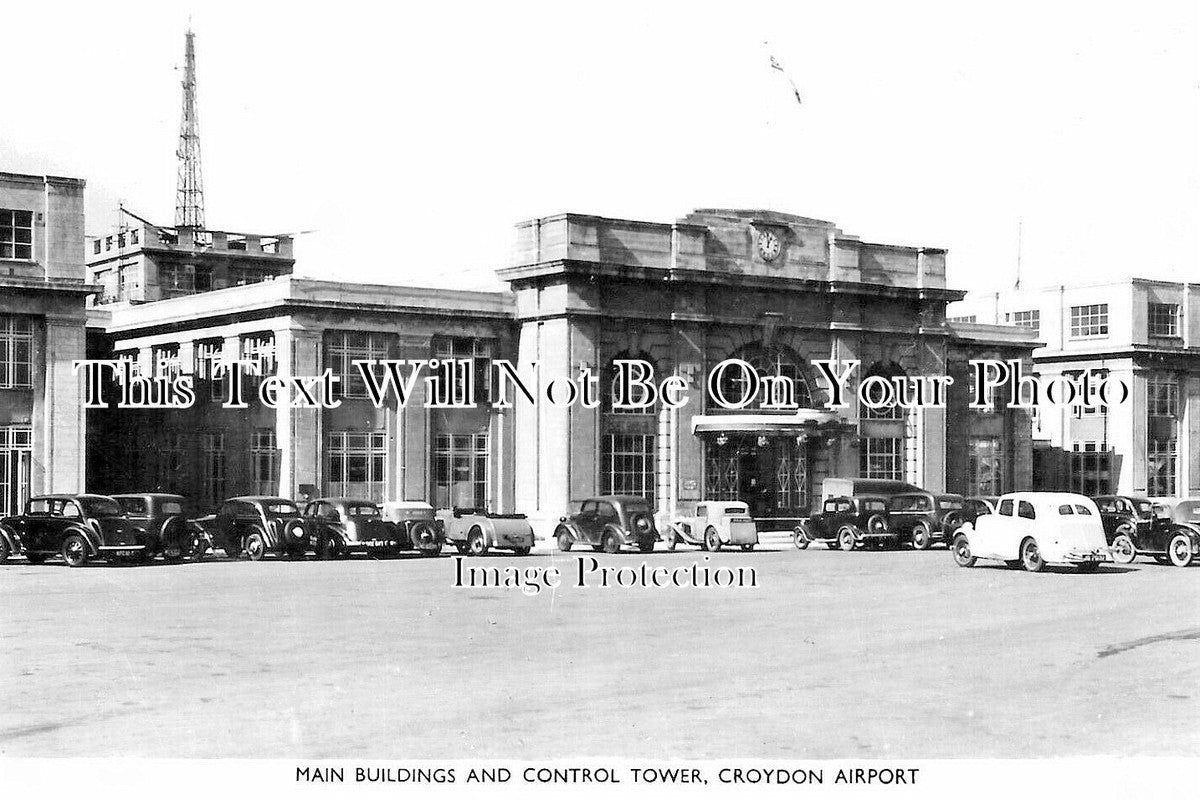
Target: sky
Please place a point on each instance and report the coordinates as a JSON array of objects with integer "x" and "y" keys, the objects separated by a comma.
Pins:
[{"x": 410, "y": 140}]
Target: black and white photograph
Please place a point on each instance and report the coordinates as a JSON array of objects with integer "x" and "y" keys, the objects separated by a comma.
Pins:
[{"x": 533, "y": 398}]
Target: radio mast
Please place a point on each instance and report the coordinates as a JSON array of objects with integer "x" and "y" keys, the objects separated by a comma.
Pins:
[{"x": 189, "y": 195}]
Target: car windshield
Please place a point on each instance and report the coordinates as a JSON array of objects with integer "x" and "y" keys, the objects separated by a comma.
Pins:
[
  {"x": 281, "y": 508},
  {"x": 950, "y": 502},
  {"x": 637, "y": 508},
  {"x": 100, "y": 507},
  {"x": 1143, "y": 506},
  {"x": 363, "y": 511}
]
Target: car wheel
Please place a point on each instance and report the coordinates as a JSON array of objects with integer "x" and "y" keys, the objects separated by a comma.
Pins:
[
  {"x": 74, "y": 550},
  {"x": 477, "y": 542},
  {"x": 961, "y": 547},
  {"x": 1031, "y": 557},
  {"x": 256, "y": 548},
  {"x": 521, "y": 551},
  {"x": 1180, "y": 550},
  {"x": 921, "y": 537},
  {"x": 800, "y": 539},
  {"x": 172, "y": 553},
  {"x": 712, "y": 540},
  {"x": 845, "y": 539},
  {"x": 328, "y": 549},
  {"x": 1123, "y": 550},
  {"x": 5, "y": 550},
  {"x": 610, "y": 543},
  {"x": 748, "y": 547},
  {"x": 672, "y": 539},
  {"x": 565, "y": 540}
]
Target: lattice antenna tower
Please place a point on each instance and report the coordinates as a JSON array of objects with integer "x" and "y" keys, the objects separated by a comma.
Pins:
[{"x": 189, "y": 194}]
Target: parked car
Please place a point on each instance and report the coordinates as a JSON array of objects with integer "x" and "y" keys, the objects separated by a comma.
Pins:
[
  {"x": 1172, "y": 537},
  {"x": 79, "y": 527},
  {"x": 1033, "y": 529},
  {"x": 975, "y": 507},
  {"x": 846, "y": 523},
  {"x": 416, "y": 526},
  {"x": 609, "y": 523},
  {"x": 169, "y": 531},
  {"x": 257, "y": 526},
  {"x": 865, "y": 487},
  {"x": 476, "y": 532},
  {"x": 924, "y": 518},
  {"x": 715, "y": 524},
  {"x": 339, "y": 526},
  {"x": 1124, "y": 515}
]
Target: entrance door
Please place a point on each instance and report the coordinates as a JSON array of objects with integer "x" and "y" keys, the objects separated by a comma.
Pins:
[{"x": 767, "y": 473}]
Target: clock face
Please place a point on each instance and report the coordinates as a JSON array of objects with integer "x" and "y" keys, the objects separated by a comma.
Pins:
[{"x": 768, "y": 245}]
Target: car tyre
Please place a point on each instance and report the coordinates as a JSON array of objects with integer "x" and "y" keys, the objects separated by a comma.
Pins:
[
  {"x": 1031, "y": 557},
  {"x": 961, "y": 547},
  {"x": 672, "y": 538},
  {"x": 712, "y": 540},
  {"x": 748, "y": 547},
  {"x": 845, "y": 539},
  {"x": 256, "y": 547},
  {"x": 1123, "y": 550},
  {"x": 565, "y": 540},
  {"x": 609, "y": 543},
  {"x": 172, "y": 553},
  {"x": 328, "y": 549},
  {"x": 5, "y": 550},
  {"x": 800, "y": 539},
  {"x": 922, "y": 537},
  {"x": 521, "y": 551},
  {"x": 477, "y": 542},
  {"x": 1179, "y": 550},
  {"x": 74, "y": 550}
]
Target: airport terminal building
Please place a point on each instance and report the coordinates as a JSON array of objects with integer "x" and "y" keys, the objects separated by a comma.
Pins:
[{"x": 775, "y": 290}]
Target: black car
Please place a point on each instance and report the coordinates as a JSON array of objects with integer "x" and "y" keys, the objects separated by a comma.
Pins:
[
  {"x": 169, "y": 531},
  {"x": 79, "y": 527},
  {"x": 924, "y": 518},
  {"x": 1124, "y": 515},
  {"x": 846, "y": 523},
  {"x": 339, "y": 526},
  {"x": 976, "y": 507},
  {"x": 1171, "y": 537},
  {"x": 256, "y": 526},
  {"x": 609, "y": 523}
]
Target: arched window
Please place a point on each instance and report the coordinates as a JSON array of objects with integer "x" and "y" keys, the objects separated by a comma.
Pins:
[
  {"x": 886, "y": 370},
  {"x": 608, "y": 384},
  {"x": 768, "y": 362}
]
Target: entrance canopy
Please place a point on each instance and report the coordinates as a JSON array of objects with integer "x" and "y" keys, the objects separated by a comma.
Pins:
[{"x": 806, "y": 420}]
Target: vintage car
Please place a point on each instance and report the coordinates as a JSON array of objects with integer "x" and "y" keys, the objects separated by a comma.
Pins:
[
  {"x": 924, "y": 518},
  {"x": 975, "y": 507},
  {"x": 715, "y": 524},
  {"x": 79, "y": 527},
  {"x": 339, "y": 526},
  {"x": 846, "y": 523},
  {"x": 609, "y": 523},
  {"x": 475, "y": 532},
  {"x": 258, "y": 525},
  {"x": 1033, "y": 529},
  {"x": 169, "y": 531},
  {"x": 1173, "y": 536},
  {"x": 416, "y": 526},
  {"x": 1124, "y": 515}
]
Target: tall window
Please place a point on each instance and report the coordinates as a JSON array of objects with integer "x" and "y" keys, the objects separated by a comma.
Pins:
[
  {"x": 480, "y": 350},
  {"x": 985, "y": 466},
  {"x": 609, "y": 391},
  {"x": 259, "y": 348},
  {"x": 16, "y": 234},
  {"x": 628, "y": 464},
  {"x": 460, "y": 470},
  {"x": 1091, "y": 469},
  {"x": 1090, "y": 320},
  {"x": 881, "y": 457},
  {"x": 1161, "y": 467},
  {"x": 129, "y": 357},
  {"x": 170, "y": 465},
  {"x": 1162, "y": 395},
  {"x": 264, "y": 461},
  {"x": 16, "y": 452},
  {"x": 343, "y": 348},
  {"x": 208, "y": 356},
  {"x": 212, "y": 461},
  {"x": 1163, "y": 320},
  {"x": 1026, "y": 319},
  {"x": 16, "y": 352},
  {"x": 887, "y": 371},
  {"x": 356, "y": 464}
]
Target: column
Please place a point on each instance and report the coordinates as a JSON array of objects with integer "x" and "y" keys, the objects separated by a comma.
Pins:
[
  {"x": 59, "y": 444},
  {"x": 299, "y": 432}
]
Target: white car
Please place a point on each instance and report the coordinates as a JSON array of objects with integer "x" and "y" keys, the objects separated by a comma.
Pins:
[{"x": 1033, "y": 529}]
